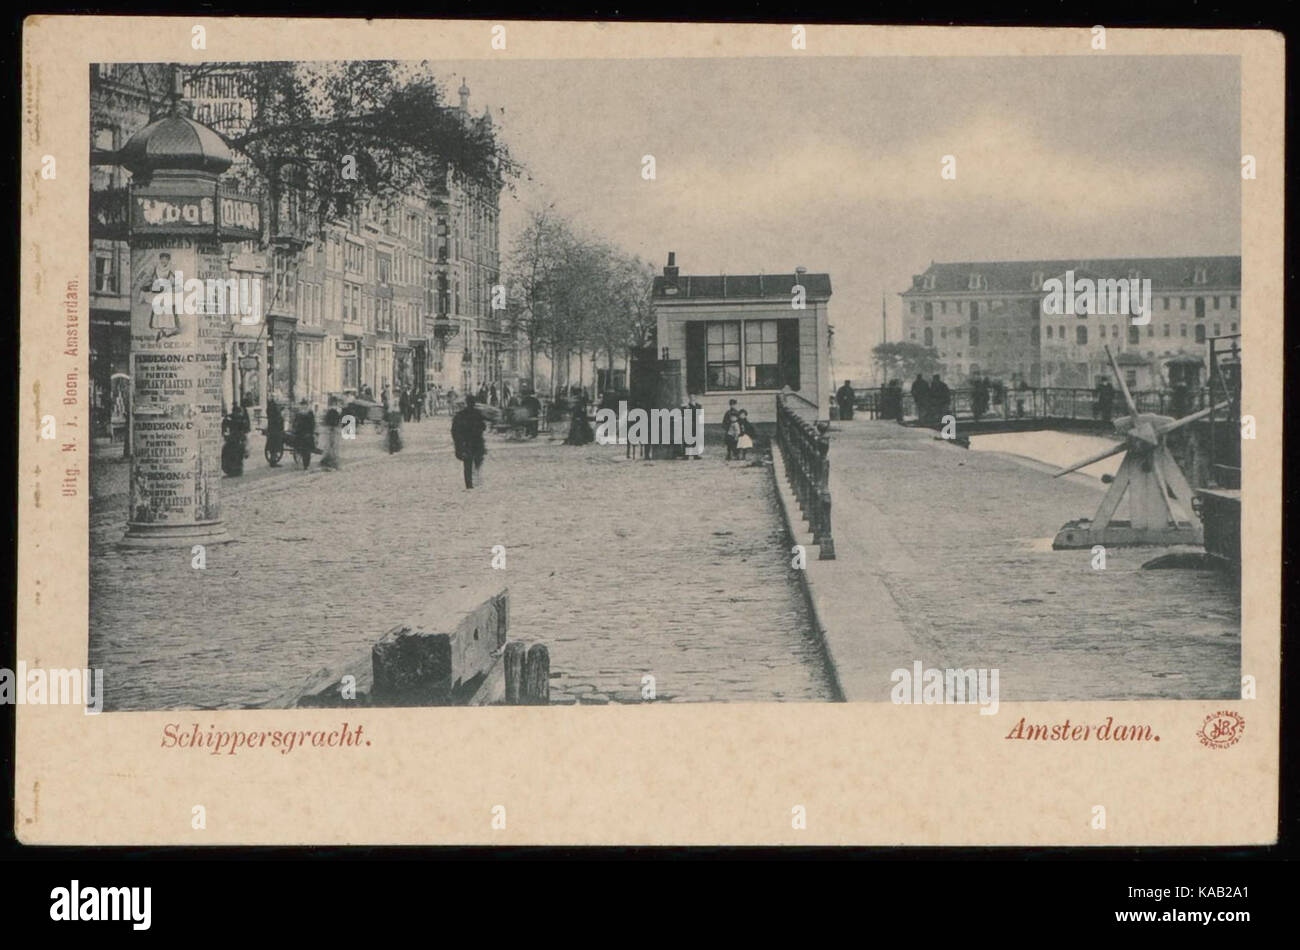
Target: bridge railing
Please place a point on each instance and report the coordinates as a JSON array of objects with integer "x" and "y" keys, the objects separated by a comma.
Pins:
[
  {"x": 806, "y": 455},
  {"x": 1062, "y": 402}
]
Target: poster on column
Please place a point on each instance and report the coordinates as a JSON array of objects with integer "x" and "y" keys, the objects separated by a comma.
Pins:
[{"x": 176, "y": 401}]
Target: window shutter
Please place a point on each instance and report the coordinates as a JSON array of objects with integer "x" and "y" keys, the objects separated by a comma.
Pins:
[
  {"x": 788, "y": 348},
  {"x": 696, "y": 355}
]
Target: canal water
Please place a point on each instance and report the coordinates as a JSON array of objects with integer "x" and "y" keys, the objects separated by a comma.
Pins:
[{"x": 1053, "y": 448}]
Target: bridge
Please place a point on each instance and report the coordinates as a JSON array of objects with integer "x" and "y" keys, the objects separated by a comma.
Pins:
[{"x": 1040, "y": 407}]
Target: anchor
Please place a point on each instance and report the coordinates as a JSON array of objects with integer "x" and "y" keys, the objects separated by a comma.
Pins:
[{"x": 1159, "y": 496}]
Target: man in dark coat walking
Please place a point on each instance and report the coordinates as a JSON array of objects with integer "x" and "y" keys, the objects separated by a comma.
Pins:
[
  {"x": 844, "y": 396},
  {"x": 304, "y": 433},
  {"x": 533, "y": 405},
  {"x": 938, "y": 398},
  {"x": 467, "y": 428},
  {"x": 979, "y": 397},
  {"x": 921, "y": 398}
]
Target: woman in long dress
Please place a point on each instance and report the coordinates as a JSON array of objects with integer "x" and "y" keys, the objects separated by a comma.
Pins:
[
  {"x": 580, "y": 431},
  {"x": 330, "y": 457}
]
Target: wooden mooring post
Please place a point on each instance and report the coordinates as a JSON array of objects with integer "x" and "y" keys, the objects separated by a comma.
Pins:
[{"x": 528, "y": 675}]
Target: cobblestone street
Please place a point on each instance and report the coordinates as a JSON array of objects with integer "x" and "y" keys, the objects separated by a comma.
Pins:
[{"x": 623, "y": 568}]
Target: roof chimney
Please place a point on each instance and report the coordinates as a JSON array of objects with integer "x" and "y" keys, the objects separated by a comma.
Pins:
[{"x": 670, "y": 271}]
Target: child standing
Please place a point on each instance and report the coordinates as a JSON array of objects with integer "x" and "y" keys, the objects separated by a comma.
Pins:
[
  {"x": 745, "y": 433},
  {"x": 730, "y": 428}
]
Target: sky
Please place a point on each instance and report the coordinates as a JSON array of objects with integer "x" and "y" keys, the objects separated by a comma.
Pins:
[{"x": 763, "y": 165}]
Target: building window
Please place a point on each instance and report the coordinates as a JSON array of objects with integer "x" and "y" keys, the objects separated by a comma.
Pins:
[
  {"x": 1232, "y": 303},
  {"x": 1081, "y": 335},
  {"x": 1200, "y": 333},
  {"x": 1216, "y": 303},
  {"x": 943, "y": 306},
  {"x": 1200, "y": 308},
  {"x": 1182, "y": 330},
  {"x": 1166, "y": 329},
  {"x": 1151, "y": 329},
  {"x": 929, "y": 336},
  {"x": 974, "y": 311},
  {"x": 1131, "y": 379},
  {"x": 1165, "y": 301},
  {"x": 1232, "y": 328},
  {"x": 1033, "y": 334},
  {"x": 723, "y": 358},
  {"x": 1199, "y": 276},
  {"x": 928, "y": 282},
  {"x": 929, "y": 310},
  {"x": 1216, "y": 329},
  {"x": 1114, "y": 331},
  {"x": 1034, "y": 309},
  {"x": 1060, "y": 332},
  {"x": 1134, "y": 335},
  {"x": 105, "y": 273},
  {"x": 1049, "y": 331},
  {"x": 943, "y": 333},
  {"x": 762, "y": 355},
  {"x": 976, "y": 282},
  {"x": 911, "y": 306},
  {"x": 1182, "y": 303}
]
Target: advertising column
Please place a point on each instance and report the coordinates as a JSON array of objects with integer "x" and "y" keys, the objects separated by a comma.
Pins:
[{"x": 176, "y": 410}]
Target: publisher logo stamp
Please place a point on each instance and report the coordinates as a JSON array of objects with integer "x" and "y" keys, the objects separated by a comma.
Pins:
[{"x": 1221, "y": 729}]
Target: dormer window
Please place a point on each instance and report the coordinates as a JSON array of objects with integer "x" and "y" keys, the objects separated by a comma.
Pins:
[
  {"x": 1198, "y": 276},
  {"x": 976, "y": 282},
  {"x": 927, "y": 282},
  {"x": 1036, "y": 282},
  {"x": 1134, "y": 274}
]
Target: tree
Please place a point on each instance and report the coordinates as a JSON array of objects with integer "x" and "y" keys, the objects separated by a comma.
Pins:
[
  {"x": 574, "y": 293},
  {"x": 626, "y": 318},
  {"x": 535, "y": 259},
  {"x": 903, "y": 360},
  {"x": 338, "y": 134}
]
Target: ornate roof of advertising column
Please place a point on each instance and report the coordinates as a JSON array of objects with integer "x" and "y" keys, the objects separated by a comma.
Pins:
[{"x": 176, "y": 142}]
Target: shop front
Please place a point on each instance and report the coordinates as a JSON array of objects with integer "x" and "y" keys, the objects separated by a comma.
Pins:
[
  {"x": 279, "y": 357},
  {"x": 347, "y": 355}
]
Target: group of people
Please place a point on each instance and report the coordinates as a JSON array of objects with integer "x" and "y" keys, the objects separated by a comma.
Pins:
[
  {"x": 932, "y": 399},
  {"x": 303, "y": 432},
  {"x": 738, "y": 432},
  {"x": 409, "y": 403}
]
